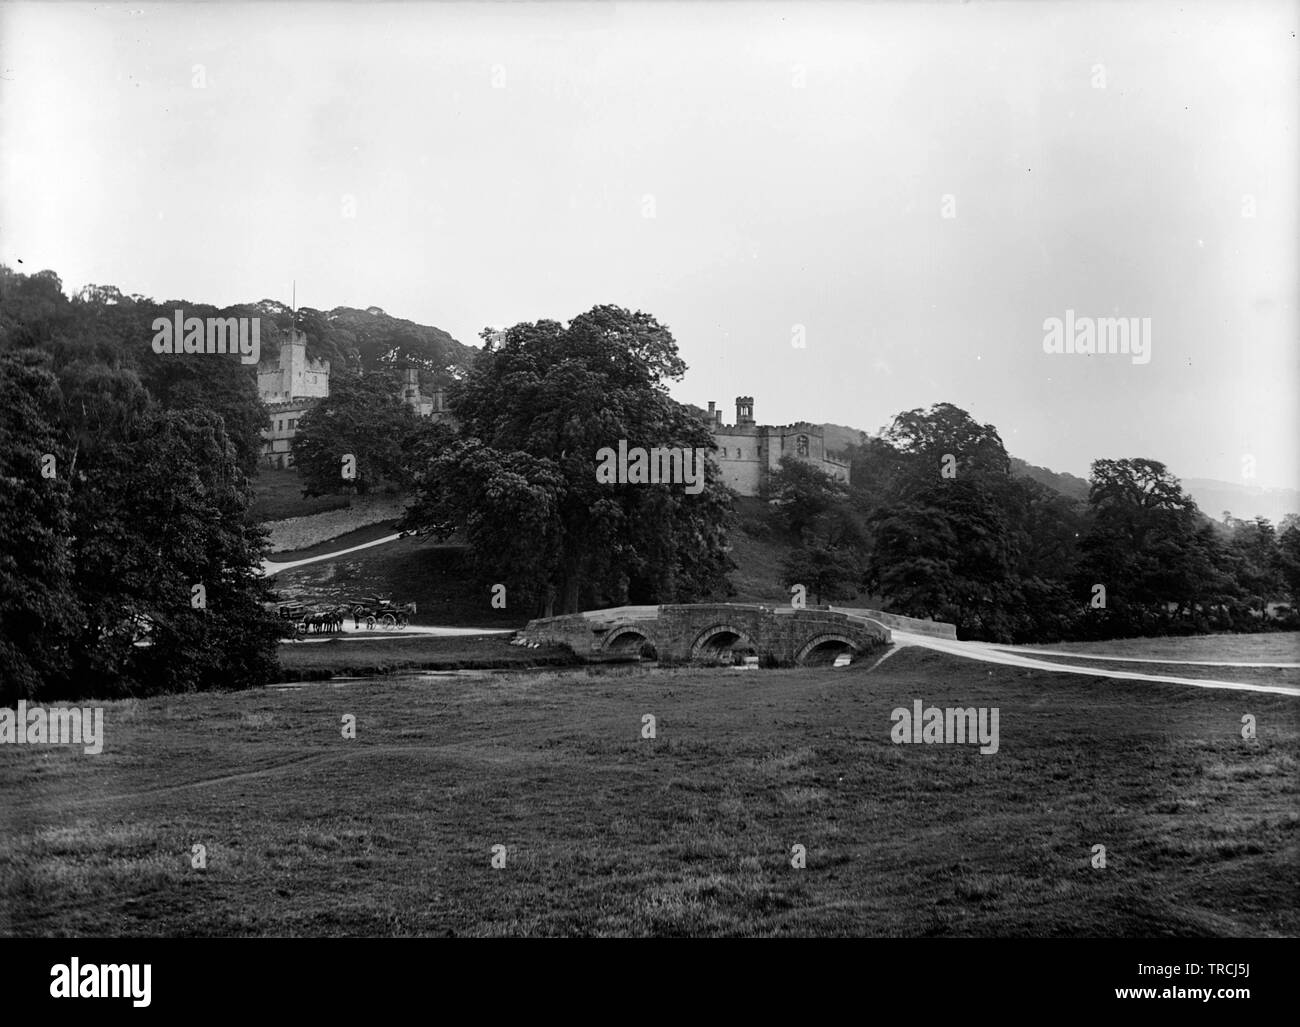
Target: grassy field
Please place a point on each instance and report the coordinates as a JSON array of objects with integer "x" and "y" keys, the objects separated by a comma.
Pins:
[
  {"x": 1287, "y": 677},
  {"x": 1264, "y": 647},
  {"x": 277, "y": 494},
  {"x": 688, "y": 833}
]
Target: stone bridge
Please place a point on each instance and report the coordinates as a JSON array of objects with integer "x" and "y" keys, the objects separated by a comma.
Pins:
[{"x": 714, "y": 632}]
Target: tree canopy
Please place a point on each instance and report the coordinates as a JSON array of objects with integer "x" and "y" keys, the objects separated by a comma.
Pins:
[{"x": 534, "y": 410}]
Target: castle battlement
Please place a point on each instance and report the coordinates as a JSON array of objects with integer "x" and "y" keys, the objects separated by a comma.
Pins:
[{"x": 749, "y": 453}]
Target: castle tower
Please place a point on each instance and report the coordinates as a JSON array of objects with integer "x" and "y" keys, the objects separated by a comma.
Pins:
[
  {"x": 297, "y": 346},
  {"x": 744, "y": 410},
  {"x": 411, "y": 387}
]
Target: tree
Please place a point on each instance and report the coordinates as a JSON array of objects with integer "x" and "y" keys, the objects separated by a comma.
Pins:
[
  {"x": 926, "y": 437},
  {"x": 535, "y": 410},
  {"x": 1288, "y": 544},
  {"x": 1141, "y": 544},
  {"x": 362, "y": 417},
  {"x": 163, "y": 552},
  {"x": 826, "y": 572},
  {"x": 945, "y": 536},
  {"x": 802, "y": 494},
  {"x": 38, "y": 608}
]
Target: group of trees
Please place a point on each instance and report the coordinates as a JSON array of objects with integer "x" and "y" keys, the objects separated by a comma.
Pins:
[
  {"x": 519, "y": 479},
  {"x": 938, "y": 525},
  {"x": 127, "y": 557},
  {"x": 516, "y": 478}
]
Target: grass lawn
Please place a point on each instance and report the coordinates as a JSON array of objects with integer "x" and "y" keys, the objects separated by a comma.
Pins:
[
  {"x": 307, "y": 833},
  {"x": 1261, "y": 647},
  {"x": 1287, "y": 677},
  {"x": 277, "y": 494}
]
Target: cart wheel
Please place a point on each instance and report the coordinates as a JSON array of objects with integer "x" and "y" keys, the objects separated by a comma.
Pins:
[
  {"x": 370, "y": 622},
  {"x": 389, "y": 621}
]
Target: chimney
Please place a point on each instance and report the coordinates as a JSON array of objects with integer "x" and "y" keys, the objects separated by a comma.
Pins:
[{"x": 744, "y": 409}]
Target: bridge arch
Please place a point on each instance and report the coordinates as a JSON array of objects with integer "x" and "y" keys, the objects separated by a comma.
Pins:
[
  {"x": 627, "y": 636},
  {"x": 825, "y": 647},
  {"x": 719, "y": 638}
]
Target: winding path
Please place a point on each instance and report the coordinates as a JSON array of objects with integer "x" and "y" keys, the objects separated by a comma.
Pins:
[
  {"x": 270, "y": 567},
  {"x": 1009, "y": 656}
]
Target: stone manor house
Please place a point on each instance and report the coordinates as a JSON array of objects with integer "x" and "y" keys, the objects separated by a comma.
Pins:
[
  {"x": 292, "y": 385},
  {"x": 748, "y": 453}
]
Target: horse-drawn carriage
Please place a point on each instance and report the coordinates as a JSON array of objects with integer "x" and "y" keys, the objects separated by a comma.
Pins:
[
  {"x": 300, "y": 619},
  {"x": 323, "y": 620},
  {"x": 376, "y": 611},
  {"x": 373, "y": 610}
]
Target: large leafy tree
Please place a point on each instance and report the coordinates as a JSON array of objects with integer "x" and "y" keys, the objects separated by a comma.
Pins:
[
  {"x": 362, "y": 417},
  {"x": 925, "y": 438},
  {"x": 946, "y": 539},
  {"x": 828, "y": 534},
  {"x": 803, "y": 496},
  {"x": 1140, "y": 545},
  {"x": 38, "y": 608},
  {"x": 1289, "y": 560},
  {"x": 534, "y": 411},
  {"x": 165, "y": 560},
  {"x": 101, "y": 559}
]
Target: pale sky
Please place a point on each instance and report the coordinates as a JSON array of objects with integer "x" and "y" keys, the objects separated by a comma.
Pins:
[{"x": 487, "y": 163}]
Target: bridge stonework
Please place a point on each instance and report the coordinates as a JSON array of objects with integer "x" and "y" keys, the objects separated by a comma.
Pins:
[{"x": 713, "y": 631}]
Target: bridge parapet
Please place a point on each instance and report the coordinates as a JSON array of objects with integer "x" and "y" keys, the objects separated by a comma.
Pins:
[{"x": 937, "y": 628}]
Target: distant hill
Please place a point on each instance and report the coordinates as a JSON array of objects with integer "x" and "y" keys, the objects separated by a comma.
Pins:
[
  {"x": 1064, "y": 483},
  {"x": 839, "y": 437},
  {"x": 370, "y": 338},
  {"x": 1243, "y": 501}
]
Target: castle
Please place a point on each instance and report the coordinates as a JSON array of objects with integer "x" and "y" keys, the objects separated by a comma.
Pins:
[
  {"x": 749, "y": 454},
  {"x": 292, "y": 385},
  {"x": 289, "y": 388}
]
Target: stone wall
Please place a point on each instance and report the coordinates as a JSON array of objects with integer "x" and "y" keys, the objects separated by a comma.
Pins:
[{"x": 301, "y": 532}]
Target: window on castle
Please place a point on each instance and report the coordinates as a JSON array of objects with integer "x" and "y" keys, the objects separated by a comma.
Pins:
[
  {"x": 724, "y": 450},
  {"x": 801, "y": 445}
]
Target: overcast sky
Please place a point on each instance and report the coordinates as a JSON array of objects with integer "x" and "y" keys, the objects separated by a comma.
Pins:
[{"x": 737, "y": 171}]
